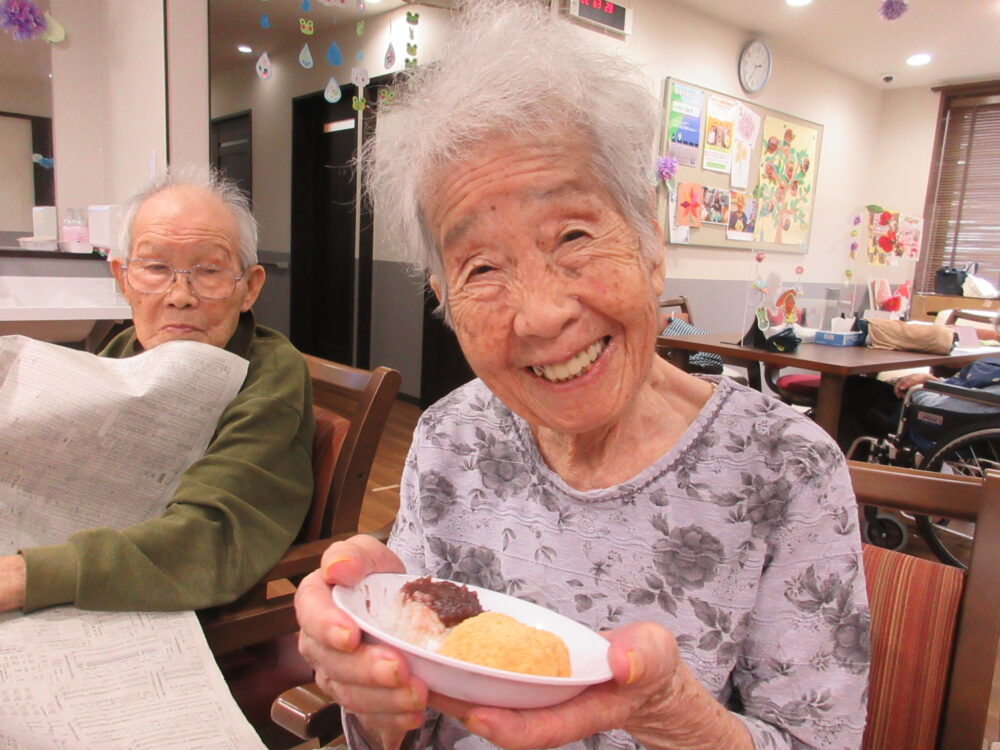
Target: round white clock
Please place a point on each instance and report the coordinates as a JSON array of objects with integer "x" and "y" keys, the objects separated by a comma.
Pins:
[{"x": 755, "y": 66}]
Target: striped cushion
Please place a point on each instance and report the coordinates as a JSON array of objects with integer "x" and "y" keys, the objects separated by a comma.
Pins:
[{"x": 914, "y": 606}]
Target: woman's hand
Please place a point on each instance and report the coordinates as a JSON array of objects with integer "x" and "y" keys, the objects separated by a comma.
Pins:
[
  {"x": 370, "y": 681},
  {"x": 653, "y": 696},
  {"x": 907, "y": 382}
]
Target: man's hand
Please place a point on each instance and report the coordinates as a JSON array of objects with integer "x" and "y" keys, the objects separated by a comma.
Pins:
[
  {"x": 12, "y": 579},
  {"x": 907, "y": 382}
]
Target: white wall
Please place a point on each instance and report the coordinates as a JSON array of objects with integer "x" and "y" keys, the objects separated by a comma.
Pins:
[
  {"x": 109, "y": 99},
  {"x": 187, "y": 81},
  {"x": 270, "y": 103},
  {"x": 25, "y": 97},
  {"x": 17, "y": 188},
  {"x": 876, "y": 144}
]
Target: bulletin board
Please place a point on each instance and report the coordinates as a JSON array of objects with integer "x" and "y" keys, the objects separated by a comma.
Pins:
[{"x": 746, "y": 175}]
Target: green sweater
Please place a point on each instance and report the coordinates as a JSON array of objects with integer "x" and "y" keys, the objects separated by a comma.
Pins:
[{"x": 234, "y": 513}]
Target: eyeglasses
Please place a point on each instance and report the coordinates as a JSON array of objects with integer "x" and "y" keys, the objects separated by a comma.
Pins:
[{"x": 155, "y": 277}]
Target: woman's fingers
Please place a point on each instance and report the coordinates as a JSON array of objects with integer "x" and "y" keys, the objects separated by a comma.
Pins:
[
  {"x": 349, "y": 561},
  {"x": 326, "y": 625}
]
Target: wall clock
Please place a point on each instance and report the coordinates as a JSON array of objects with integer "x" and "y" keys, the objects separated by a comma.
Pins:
[{"x": 755, "y": 66}]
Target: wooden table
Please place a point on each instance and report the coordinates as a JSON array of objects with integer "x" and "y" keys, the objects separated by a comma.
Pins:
[{"x": 833, "y": 363}]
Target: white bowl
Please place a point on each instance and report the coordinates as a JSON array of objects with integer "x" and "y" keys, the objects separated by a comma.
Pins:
[{"x": 373, "y": 600}]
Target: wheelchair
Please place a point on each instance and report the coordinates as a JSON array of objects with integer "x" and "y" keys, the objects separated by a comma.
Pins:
[{"x": 933, "y": 439}]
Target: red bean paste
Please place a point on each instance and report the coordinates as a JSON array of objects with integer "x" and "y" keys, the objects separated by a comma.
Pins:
[{"x": 451, "y": 603}]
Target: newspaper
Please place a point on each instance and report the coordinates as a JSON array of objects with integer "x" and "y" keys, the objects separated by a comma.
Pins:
[{"x": 87, "y": 441}]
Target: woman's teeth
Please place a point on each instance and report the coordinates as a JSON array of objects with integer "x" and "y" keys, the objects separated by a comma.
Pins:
[{"x": 573, "y": 367}]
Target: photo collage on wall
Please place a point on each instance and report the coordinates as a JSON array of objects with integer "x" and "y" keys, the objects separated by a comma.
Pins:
[{"x": 741, "y": 173}]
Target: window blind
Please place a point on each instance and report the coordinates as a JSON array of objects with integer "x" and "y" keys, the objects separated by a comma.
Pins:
[{"x": 962, "y": 215}]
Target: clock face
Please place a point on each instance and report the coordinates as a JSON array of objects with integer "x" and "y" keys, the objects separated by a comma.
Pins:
[{"x": 755, "y": 66}]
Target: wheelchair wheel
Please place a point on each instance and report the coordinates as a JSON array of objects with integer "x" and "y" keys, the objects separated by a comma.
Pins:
[
  {"x": 969, "y": 453},
  {"x": 884, "y": 530}
]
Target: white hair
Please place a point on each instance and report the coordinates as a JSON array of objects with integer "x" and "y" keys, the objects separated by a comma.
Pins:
[
  {"x": 209, "y": 180},
  {"x": 510, "y": 70}
]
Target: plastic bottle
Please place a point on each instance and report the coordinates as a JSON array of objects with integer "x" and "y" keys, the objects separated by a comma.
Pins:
[{"x": 74, "y": 234}]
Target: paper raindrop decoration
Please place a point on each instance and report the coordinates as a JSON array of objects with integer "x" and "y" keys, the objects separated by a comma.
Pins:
[
  {"x": 43, "y": 161},
  {"x": 54, "y": 31},
  {"x": 390, "y": 57},
  {"x": 306, "y": 7},
  {"x": 332, "y": 91},
  {"x": 359, "y": 77},
  {"x": 307, "y": 26},
  {"x": 333, "y": 55},
  {"x": 264, "y": 66},
  {"x": 359, "y": 55},
  {"x": 265, "y": 22},
  {"x": 305, "y": 57}
]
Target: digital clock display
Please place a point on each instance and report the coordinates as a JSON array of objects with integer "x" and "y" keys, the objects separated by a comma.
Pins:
[{"x": 604, "y": 13}]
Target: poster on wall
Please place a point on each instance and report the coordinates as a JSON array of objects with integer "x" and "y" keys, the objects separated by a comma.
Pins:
[
  {"x": 720, "y": 127},
  {"x": 747, "y": 129},
  {"x": 684, "y": 124},
  {"x": 883, "y": 233},
  {"x": 911, "y": 229},
  {"x": 742, "y": 216},
  {"x": 732, "y": 161},
  {"x": 785, "y": 181}
]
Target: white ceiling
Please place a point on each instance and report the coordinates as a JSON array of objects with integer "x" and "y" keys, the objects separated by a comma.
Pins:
[
  {"x": 845, "y": 35},
  {"x": 849, "y": 36}
]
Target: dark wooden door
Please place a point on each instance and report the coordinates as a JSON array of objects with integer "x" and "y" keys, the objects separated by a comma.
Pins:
[
  {"x": 442, "y": 365},
  {"x": 231, "y": 149},
  {"x": 324, "y": 193}
]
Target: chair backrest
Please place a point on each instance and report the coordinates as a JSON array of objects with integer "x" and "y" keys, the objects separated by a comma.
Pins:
[
  {"x": 935, "y": 629},
  {"x": 682, "y": 311},
  {"x": 345, "y": 445}
]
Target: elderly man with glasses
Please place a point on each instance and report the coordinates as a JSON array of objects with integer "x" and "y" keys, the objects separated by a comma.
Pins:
[{"x": 191, "y": 273}]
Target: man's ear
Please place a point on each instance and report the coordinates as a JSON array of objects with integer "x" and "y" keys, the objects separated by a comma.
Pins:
[
  {"x": 255, "y": 276},
  {"x": 118, "y": 272}
]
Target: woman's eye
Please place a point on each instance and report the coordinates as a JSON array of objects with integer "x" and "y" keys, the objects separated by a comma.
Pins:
[
  {"x": 480, "y": 270},
  {"x": 573, "y": 235}
]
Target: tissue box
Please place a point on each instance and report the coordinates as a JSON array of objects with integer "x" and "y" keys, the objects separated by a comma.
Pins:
[{"x": 848, "y": 338}]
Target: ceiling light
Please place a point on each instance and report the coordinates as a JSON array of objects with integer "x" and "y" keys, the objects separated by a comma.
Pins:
[
  {"x": 796, "y": 3},
  {"x": 921, "y": 58},
  {"x": 246, "y": 49}
]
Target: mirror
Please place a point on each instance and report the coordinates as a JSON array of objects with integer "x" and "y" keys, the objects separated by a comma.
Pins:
[{"x": 25, "y": 129}]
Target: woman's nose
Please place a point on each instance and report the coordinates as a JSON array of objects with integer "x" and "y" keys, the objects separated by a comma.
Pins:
[{"x": 545, "y": 309}]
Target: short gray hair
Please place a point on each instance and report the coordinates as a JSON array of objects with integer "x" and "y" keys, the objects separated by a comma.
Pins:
[
  {"x": 510, "y": 70},
  {"x": 209, "y": 180}
]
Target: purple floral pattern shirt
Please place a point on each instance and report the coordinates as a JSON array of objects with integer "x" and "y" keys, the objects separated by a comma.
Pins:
[{"x": 742, "y": 540}]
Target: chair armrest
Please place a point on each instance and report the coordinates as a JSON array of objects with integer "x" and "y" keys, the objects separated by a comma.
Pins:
[
  {"x": 966, "y": 394},
  {"x": 307, "y": 712}
]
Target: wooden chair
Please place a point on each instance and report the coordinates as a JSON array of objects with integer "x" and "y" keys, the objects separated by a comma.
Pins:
[
  {"x": 343, "y": 451},
  {"x": 677, "y": 308},
  {"x": 934, "y": 634},
  {"x": 935, "y": 628},
  {"x": 253, "y": 638}
]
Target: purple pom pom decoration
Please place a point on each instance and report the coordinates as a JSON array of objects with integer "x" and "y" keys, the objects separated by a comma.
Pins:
[
  {"x": 666, "y": 167},
  {"x": 890, "y": 10},
  {"x": 22, "y": 19}
]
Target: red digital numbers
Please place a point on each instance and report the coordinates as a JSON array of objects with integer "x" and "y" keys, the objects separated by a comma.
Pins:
[{"x": 600, "y": 5}]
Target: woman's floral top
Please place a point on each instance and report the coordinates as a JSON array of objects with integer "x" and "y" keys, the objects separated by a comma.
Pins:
[{"x": 742, "y": 540}]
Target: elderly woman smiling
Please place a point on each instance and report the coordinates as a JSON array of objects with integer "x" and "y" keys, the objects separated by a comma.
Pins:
[{"x": 708, "y": 529}]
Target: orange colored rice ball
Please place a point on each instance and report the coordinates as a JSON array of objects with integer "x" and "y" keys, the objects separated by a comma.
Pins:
[{"x": 495, "y": 640}]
